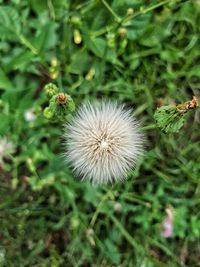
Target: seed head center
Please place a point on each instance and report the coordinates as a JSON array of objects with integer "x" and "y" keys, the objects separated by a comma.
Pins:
[{"x": 104, "y": 145}]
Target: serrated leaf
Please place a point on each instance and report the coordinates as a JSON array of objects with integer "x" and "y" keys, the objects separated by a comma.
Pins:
[
  {"x": 168, "y": 119},
  {"x": 10, "y": 24}
]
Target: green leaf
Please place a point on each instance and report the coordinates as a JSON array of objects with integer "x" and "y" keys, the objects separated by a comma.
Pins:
[
  {"x": 46, "y": 37},
  {"x": 154, "y": 35},
  {"x": 137, "y": 26},
  {"x": 19, "y": 60},
  {"x": 100, "y": 20},
  {"x": 4, "y": 81},
  {"x": 168, "y": 119},
  {"x": 112, "y": 252},
  {"x": 80, "y": 62},
  {"x": 38, "y": 6},
  {"x": 194, "y": 71},
  {"x": 57, "y": 7},
  {"x": 10, "y": 24},
  {"x": 99, "y": 48},
  {"x": 187, "y": 13},
  {"x": 96, "y": 45}
]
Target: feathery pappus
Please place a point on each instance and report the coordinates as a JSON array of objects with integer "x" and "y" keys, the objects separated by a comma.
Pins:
[{"x": 103, "y": 142}]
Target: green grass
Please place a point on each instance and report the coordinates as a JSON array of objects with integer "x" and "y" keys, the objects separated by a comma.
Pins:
[{"x": 47, "y": 216}]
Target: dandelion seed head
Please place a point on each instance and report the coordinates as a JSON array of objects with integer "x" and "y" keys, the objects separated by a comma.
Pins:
[{"x": 103, "y": 142}]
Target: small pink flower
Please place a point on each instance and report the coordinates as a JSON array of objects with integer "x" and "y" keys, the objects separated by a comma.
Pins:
[{"x": 167, "y": 224}]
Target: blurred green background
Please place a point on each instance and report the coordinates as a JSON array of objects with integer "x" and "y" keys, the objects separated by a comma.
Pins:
[{"x": 142, "y": 53}]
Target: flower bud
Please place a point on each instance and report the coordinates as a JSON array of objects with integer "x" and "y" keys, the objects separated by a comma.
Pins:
[
  {"x": 90, "y": 75},
  {"x": 54, "y": 62},
  {"x": 130, "y": 11},
  {"x": 77, "y": 37},
  {"x": 111, "y": 40},
  {"x": 60, "y": 106},
  {"x": 122, "y": 32},
  {"x": 75, "y": 20},
  {"x": 50, "y": 90},
  {"x": 61, "y": 98},
  {"x": 48, "y": 113}
]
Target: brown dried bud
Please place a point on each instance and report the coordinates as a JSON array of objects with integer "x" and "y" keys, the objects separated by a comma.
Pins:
[
  {"x": 184, "y": 107},
  {"x": 61, "y": 98}
]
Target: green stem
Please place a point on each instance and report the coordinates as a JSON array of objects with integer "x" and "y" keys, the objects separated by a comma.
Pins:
[
  {"x": 126, "y": 19},
  {"x": 51, "y": 9},
  {"x": 135, "y": 199},
  {"x": 94, "y": 217},
  {"x": 125, "y": 233},
  {"x": 118, "y": 19},
  {"x": 33, "y": 49},
  {"x": 25, "y": 42},
  {"x": 144, "y": 11}
]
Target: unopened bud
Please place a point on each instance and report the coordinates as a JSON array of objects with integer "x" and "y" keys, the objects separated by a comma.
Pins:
[
  {"x": 122, "y": 32},
  {"x": 75, "y": 20},
  {"x": 77, "y": 37},
  {"x": 48, "y": 113},
  {"x": 117, "y": 207},
  {"x": 130, "y": 11},
  {"x": 111, "y": 40},
  {"x": 90, "y": 75},
  {"x": 50, "y": 89},
  {"x": 54, "y": 62}
]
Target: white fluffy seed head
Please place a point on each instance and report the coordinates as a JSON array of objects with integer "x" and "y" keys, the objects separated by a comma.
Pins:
[{"x": 103, "y": 142}]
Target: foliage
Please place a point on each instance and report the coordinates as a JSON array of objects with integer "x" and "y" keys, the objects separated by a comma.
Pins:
[
  {"x": 168, "y": 119},
  {"x": 60, "y": 105},
  {"x": 141, "y": 53},
  {"x": 171, "y": 118}
]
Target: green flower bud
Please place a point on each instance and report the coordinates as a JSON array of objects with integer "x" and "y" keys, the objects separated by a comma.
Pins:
[
  {"x": 77, "y": 36},
  {"x": 75, "y": 20},
  {"x": 61, "y": 105},
  {"x": 130, "y": 11},
  {"x": 111, "y": 40},
  {"x": 122, "y": 32},
  {"x": 71, "y": 104},
  {"x": 50, "y": 90},
  {"x": 48, "y": 113}
]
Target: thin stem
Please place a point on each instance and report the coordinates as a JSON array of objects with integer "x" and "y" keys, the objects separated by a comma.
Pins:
[
  {"x": 118, "y": 19},
  {"x": 144, "y": 11},
  {"x": 28, "y": 44},
  {"x": 126, "y": 19},
  {"x": 135, "y": 199},
  {"x": 94, "y": 217},
  {"x": 125, "y": 233},
  {"x": 33, "y": 49},
  {"x": 51, "y": 9}
]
